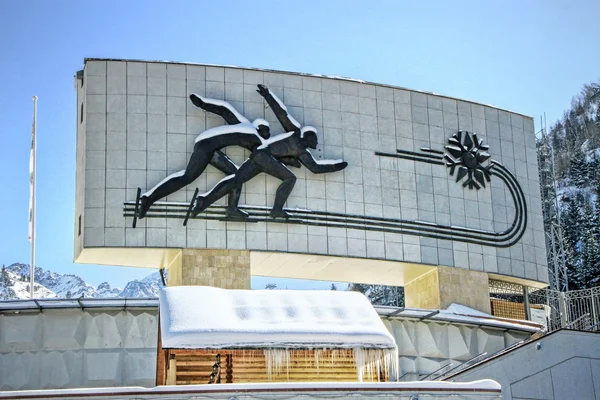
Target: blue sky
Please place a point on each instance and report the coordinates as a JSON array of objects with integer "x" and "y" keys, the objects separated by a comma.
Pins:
[{"x": 527, "y": 56}]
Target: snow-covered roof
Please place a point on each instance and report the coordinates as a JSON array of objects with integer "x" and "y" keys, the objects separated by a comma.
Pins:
[
  {"x": 207, "y": 317},
  {"x": 459, "y": 313}
]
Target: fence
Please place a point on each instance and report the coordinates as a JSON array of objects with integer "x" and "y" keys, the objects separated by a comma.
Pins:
[{"x": 576, "y": 309}]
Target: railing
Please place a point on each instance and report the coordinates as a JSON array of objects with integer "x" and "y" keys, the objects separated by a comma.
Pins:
[
  {"x": 580, "y": 323},
  {"x": 576, "y": 309},
  {"x": 460, "y": 367}
]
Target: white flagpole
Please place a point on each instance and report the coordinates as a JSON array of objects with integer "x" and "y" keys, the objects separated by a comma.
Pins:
[{"x": 32, "y": 197}]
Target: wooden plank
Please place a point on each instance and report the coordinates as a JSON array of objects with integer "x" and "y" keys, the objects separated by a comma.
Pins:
[
  {"x": 161, "y": 360},
  {"x": 311, "y": 379},
  {"x": 172, "y": 371},
  {"x": 187, "y": 353},
  {"x": 250, "y": 365},
  {"x": 228, "y": 368},
  {"x": 205, "y": 374},
  {"x": 321, "y": 371},
  {"x": 198, "y": 364}
]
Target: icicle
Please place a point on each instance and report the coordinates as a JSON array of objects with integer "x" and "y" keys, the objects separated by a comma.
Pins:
[
  {"x": 370, "y": 362},
  {"x": 275, "y": 359},
  {"x": 317, "y": 354}
]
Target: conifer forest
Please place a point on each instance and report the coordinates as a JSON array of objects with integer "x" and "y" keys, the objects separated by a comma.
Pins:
[{"x": 573, "y": 143}]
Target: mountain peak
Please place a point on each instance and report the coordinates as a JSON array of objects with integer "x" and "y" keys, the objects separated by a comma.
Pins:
[{"x": 14, "y": 284}]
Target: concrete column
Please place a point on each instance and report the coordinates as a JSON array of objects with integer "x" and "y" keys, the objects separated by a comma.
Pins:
[
  {"x": 226, "y": 269},
  {"x": 443, "y": 286}
]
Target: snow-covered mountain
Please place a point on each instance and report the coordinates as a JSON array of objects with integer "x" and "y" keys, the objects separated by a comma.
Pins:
[
  {"x": 147, "y": 287},
  {"x": 14, "y": 284}
]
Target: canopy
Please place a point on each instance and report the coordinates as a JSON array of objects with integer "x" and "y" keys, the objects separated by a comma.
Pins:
[{"x": 197, "y": 317}]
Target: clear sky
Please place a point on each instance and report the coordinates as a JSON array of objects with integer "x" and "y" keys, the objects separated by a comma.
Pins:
[{"x": 527, "y": 56}]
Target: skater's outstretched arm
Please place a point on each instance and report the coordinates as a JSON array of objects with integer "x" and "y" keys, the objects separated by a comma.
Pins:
[
  {"x": 280, "y": 110},
  {"x": 321, "y": 166},
  {"x": 219, "y": 107}
]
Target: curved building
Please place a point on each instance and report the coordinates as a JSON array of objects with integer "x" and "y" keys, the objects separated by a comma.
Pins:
[{"x": 403, "y": 187}]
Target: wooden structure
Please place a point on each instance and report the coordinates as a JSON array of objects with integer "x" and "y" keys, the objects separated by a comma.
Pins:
[
  {"x": 261, "y": 336},
  {"x": 191, "y": 367}
]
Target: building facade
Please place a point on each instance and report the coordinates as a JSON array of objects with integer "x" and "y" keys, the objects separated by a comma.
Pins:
[{"x": 438, "y": 193}]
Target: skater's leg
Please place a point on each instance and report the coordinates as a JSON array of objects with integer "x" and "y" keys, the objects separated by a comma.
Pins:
[
  {"x": 246, "y": 172},
  {"x": 233, "y": 210},
  {"x": 273, "y": 167},
  {"x": 224, "y": 164},
  {"x": 172, "y": 183}
]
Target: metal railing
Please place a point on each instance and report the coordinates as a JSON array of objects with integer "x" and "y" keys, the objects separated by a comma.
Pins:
[{"x": 575, "y": 309}]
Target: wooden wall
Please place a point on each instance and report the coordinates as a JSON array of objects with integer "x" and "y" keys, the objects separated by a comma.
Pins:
[
  {"x": 186, "y": 367},
  {"x": 510, "y": 309}
]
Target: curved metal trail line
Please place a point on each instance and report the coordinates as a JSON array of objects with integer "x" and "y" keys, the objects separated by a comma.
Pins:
[{"x": 162, "y": 209}]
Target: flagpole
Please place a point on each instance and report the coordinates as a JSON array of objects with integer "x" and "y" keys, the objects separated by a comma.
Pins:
[{"x": 32, "y": 211}]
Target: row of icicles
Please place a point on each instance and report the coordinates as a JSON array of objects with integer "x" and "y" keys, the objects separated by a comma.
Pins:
[{"x": 369, "y": 363}]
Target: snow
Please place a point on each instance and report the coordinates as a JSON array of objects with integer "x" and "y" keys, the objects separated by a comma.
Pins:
[
  {"x": 455, "y": 308},
  {"x": 228, "y": 177},
  {"x": 565, "y": 190},
  {"x": 274, "y": 139},
  {"x": 307, "y": 128},
  {"x": 225, "y": 104},
  {"x": 326, "y": 162},
  {"x": 207, "y": 317},
  {"x": 260, "y": 121},
  {"x": 471, "y": 388},
  {"x": 461, "y": 314},
  {"x": 292, "y": 119},
  {"x": 243, "y": 128},
  {"x": 592, "y": 155},
  {"x": 168, "y": 178},
  {"x": 50, "y": 284},
  {"x": 17, "y": 289}
]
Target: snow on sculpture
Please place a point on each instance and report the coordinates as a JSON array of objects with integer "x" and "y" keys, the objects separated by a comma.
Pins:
[
  {"x": 207, "y": 148},
  {"x": 292, "y": 145},
  {"x": 269, "y": 155}
]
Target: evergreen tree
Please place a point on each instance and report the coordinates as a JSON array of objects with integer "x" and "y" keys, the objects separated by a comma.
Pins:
[
  {"x": 547, "y": 190},
  {"x": 570, "y": 227},
  {"x": 359, "y": 287},
  {"x": 596, "y": 220},
  {"x": 387, "y": 296},
  {"x": 578, "y": 169},
  {"x": 589, "y": 272},
  {"x": 5, "y": 279},
  {"x": 379, "y": 294}
]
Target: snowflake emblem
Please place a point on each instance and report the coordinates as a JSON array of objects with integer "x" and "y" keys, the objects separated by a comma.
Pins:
[{"x": 468, "y": 153}]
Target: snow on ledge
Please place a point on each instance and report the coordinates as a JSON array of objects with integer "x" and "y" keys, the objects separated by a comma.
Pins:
[
  {"x": 207, "y": 317},
  {"x": 422, "y": 387},
  {"x": 458, "y": 313}
]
